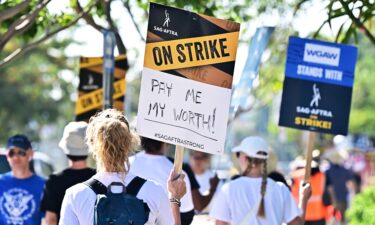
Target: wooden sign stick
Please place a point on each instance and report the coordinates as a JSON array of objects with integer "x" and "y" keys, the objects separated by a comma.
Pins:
[
  {"x": 310, "y": 145},
  {"x": 178, "y": 159}
]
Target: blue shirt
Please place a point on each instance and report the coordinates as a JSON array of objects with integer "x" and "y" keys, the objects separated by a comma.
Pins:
[{"x": 20, "y": 200}]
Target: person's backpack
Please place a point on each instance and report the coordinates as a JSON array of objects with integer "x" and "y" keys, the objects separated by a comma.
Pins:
[{"x": 122, "y": 208}]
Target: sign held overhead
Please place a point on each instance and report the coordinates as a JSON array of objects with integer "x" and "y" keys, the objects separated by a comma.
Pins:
[
  {"x": 318, "y": 83},
  {"x": 90, "y": 91},
  {"x": 187, "y": 77}
]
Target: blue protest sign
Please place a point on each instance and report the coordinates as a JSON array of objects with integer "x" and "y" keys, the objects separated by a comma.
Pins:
[
  {"x": 321, "y": 61},
  {"x": 318, "y": 83}
]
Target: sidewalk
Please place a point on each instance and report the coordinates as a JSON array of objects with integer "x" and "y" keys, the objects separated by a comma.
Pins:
[{"x": 203, "y": 220}]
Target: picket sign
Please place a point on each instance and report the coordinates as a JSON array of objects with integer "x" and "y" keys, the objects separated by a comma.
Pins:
[
  {"x": 309, "y": 149},
  {"x": 187, "y": 80},
  {"x": 178, "y": 159},
  {"x": 317, "y": 89},
  {"x": 318, "y": 84}
]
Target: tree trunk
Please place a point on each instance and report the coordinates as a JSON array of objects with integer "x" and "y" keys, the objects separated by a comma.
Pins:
[{"x": 120, "y": 44}]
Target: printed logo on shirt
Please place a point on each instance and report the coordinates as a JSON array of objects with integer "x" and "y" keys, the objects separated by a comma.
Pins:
[{"x": 16, "y": 206}]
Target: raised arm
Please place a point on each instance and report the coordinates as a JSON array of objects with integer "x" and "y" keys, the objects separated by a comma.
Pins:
[
  {"x": 304, "y": 195},
  {"x": 50, "y": 218},
  {"x": 177, "y": 189}
]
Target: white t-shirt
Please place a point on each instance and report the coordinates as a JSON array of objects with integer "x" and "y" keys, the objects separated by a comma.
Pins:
[
  {"x": 157, "y": 168},
  {"x": 79, "y": 200},
  {"x": 239, "y": 197},
  {"x": 204, "y": 181}
]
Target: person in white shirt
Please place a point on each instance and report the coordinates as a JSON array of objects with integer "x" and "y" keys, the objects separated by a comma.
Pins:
[
  {"x": 152, "y": 164},
  {"x": 254, "y": 199},
  {"x": 200, "y": 163},
  {"x": 110, "y": 140}
]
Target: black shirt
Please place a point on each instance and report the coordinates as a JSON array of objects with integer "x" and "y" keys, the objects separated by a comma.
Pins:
[
  {"x": 193, "y": 181},
  {"x": 187, "y": 169},
  {"x": 187, "y": 217},
  {"x": 56, "y": 185}
]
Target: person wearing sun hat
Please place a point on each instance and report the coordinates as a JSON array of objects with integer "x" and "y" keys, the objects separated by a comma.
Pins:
[
  {"x": 74, "y": 146},
  {"x": 253, "y": 198},
  {"x": 20, "y": 189}
]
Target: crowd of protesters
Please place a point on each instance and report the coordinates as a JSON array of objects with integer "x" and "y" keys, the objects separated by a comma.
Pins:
[{"x": 254, "y": 196}]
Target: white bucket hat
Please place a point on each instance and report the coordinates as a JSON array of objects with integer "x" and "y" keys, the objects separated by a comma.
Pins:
[
  {"x": 254, "y": 147},
  {"x": 73, "y": 140}
]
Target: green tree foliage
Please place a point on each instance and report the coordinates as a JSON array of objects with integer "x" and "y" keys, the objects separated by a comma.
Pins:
[
  {"x": 31, "y": 22},
  {"x": 362, "y": 119},
  {"x": 358, "y": 15},
  {"x": 29, "y": 83},
  {"x": 42, "y": 24},
  {"x": 235, "y": 10},
  {"x": 363, "y": 208},
  {"x": 33, "y": 92}
]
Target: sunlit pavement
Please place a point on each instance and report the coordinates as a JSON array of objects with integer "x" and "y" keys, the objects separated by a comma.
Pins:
[{"x": 203, "y": 220}]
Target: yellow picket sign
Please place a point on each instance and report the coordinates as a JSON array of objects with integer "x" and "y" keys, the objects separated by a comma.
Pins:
[
  {"x": 87, "y": 62},
  {"x": 191, "y": 52},
  {"x": 94, "y": 99}
]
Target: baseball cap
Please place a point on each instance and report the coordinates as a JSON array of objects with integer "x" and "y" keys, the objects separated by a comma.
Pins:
[
  {"x": 73, "y": 139},
  {"x": 20, "y": 141},
  {"x": 254, "y": 147},
  {"x": 334, "y": 156},
  {"x": 300, "y": 163}
]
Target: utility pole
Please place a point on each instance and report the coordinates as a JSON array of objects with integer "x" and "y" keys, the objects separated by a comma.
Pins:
[{"x": 108, "y": 68}]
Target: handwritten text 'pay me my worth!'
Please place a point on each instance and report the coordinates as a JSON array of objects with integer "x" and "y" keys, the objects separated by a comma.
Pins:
[{"x": 196, "y": 119}]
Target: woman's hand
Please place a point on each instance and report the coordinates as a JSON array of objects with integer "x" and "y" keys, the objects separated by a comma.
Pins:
[
  {"x": 176, "y": 185},
  {"x": 305, "y": 191}
]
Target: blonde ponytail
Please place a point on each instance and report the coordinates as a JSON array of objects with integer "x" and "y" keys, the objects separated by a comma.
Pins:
[{"x": 261, "y": 211}]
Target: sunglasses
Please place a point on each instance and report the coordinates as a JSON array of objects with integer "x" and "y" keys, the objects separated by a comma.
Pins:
[
  {"x": 258, "y": 153},
  {"x": 14, "y": 152},
  {"x": 200, "y": 158}
]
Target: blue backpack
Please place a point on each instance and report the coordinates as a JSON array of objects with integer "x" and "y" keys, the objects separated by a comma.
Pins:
[{"x": 122, "y": 208}]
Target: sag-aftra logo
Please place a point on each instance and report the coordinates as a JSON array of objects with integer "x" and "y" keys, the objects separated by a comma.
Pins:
[
  {"x": 165, "y": 29},
  {"x": 321, "y": 54}
]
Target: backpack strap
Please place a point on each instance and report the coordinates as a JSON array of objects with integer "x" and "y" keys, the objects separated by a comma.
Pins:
[
  {"x": 133, "y": 188},
  {"x": 97, "y": 186},
  {"x": 135, "y": 185}
]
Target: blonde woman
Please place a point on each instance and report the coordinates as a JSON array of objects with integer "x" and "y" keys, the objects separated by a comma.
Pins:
[
  {"x": 110, "y": 140},
  {"x": 254, "y": 199}
]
